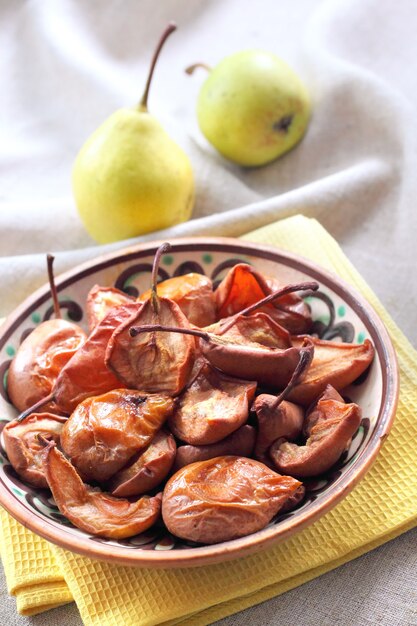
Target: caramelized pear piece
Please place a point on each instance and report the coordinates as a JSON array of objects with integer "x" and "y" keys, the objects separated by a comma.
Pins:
[
  {"x": 194, "y": 295},
  {"x": 39, "y": 360},
  {"x": 93, "y": 511},
  {"x": 328, "y": 439},
  {"x": 101, "y": 300},
  {"x": 223, "y": 498},
  {"x": 286, "y": 421},
  {"x": 294, "y": 500},
  {"x": 272, "y": 359},
  {"x": 212, "y": 407},
  {"x": 105, "y": 431},
  {"x": 148, "y": 471},
  {"x": 239, "y": 443},
  {"x": 23, "y": 448},
  {"x": 268, "y": 366},
  {"x": 42, "y": 355},
  {"x": 252, "y": 361},
  {"x": 243, "y": 286},
  {"x": 314, "y": 413},
  {"x": 336, "y": 364},
  {"x": 276, "y": 417},
  {"x": 155, "y": 363},
  {"x": 86, "y": 374},
  {"x": 258, "y": 329}
]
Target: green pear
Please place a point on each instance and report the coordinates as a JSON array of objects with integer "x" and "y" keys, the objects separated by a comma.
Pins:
[
  {"x": 252, "y": 107},
  {"x": 130, "y": 177}
]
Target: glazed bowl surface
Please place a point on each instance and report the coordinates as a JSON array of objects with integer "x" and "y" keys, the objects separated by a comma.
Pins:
[{"x": 339, "y": 314}]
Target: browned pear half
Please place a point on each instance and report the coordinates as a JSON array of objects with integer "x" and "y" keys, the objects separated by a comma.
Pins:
[
  {"x": 152, "y": 362},
  {"x": 25, "y": 452},
  {"x": 223, "y": 498},
  {"x": 243, "y": 286},
  {"x": 336, "y": 364},
  {"x": 93, "y": 511},
  {"x": 212, "y": 407},
  {"x": 148, "y": 470},
  {"x": 239, "y": 443},
  {"x": 194, "y": 295},
  {"x": 101, "y": 300},
  {"x": 328, "y": 439},
  {"x": 105, "y": 431},
  {"x": 86, "y": 374},
  {"x": 276, "y": 417},
  {"x": 42, "y": 355}
]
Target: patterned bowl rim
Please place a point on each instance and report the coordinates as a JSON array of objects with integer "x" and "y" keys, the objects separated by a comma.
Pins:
[{"x": 244, "y": 546}]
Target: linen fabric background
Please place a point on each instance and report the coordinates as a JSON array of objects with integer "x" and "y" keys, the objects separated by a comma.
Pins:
[{"x": 66, "y": 65}]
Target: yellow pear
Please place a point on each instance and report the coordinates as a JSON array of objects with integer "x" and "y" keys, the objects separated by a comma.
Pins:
[
  {"x": 252, "y": 107},
  {"x": 130, "y": 177}
]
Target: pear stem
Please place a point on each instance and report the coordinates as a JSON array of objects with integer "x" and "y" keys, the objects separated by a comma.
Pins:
[
  {"x": 35, "y": 407},
  {"x": 143, "y": 104},
  {"x": 191, "y": 68},
  {"x": 50, "y": 261},
  {"x": 306, "y": 356},
  {"x": 43, "y": 441},
  {"x": 309, "y": 286},
  {"x": 165, "y": 247},
  {"x": 150, "y": 328}
]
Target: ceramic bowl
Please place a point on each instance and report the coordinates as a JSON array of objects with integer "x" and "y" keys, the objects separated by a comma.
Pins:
[{"x": 339, "y": 313}]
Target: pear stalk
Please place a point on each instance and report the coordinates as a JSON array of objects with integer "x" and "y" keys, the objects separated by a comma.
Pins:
[
  {"x": 306, "y": 356},
  {"x": 50, "y": 262},
  {"x": 143, "y": 104},
  {"x": 283, "y": 291},
  {"x": 150, "y": 328},
  {"x": 165, "y": 247},
  {"x": 34, "y": 408},
  {"x": 191, "y": 68}
]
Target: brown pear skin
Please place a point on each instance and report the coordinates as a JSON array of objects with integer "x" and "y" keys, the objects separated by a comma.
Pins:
[
  {"x": 153, "y": 363},
  {"x": 328, "y": 439},
  {"x": 94, "y": 511},
  {"x": 194, "y": 295},
  {"x": 286, "y": 421},
  {"x": 149, "y": 362},
  {"x": 105, "y": 432},
  {"x": 276, "y": 417},
  {"x": 42, "y": 355},
  {"x": 223, "y": 498},
  {"x": 336, "y": 364},
  {"x": 269, "y": 366},
  {"x": 86, "y": 374},
  {"x": 258, "y": 329},
  {"x": 23, "y": 448},
  {"x": 101, "y": 300},
  {"x": 212, "y": 407},
  {"x": 239, "y": 443},
  {"x": 150, "y": 468},
  {"x": 314, "y": 414},
  {"x": 39, "y": 360},
  {"x": 244, "y": 285}
]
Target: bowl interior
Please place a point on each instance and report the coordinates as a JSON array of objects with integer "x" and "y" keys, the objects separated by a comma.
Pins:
[{"x": 338, "y": 313}]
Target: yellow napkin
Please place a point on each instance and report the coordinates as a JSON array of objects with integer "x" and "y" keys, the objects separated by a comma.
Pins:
[{"x": 381, "y": 507}]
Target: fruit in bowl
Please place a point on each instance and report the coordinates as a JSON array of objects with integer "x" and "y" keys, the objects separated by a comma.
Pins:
[{"x": 327, "y": 470}]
